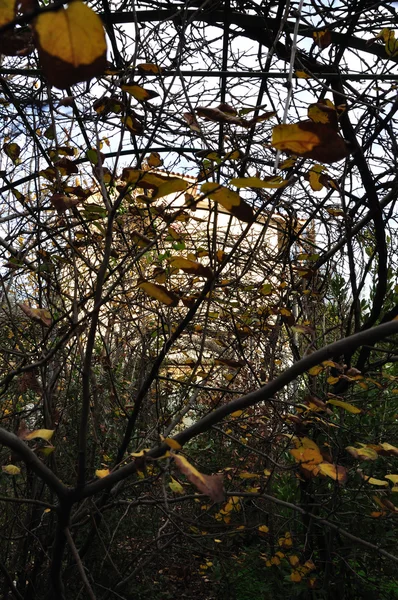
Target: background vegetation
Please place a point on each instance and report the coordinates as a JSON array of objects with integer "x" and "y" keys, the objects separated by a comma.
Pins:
[{"x": 198, "y": 376}]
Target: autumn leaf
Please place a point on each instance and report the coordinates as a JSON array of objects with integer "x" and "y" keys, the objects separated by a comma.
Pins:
[
  {"x": 229, "y": 200},
  {"x": 13, "y": 151},
  {"x": 66, "y": 167},
  {"x": 192, "y": 122},
  {"x": 218, "y": 116},
  {"x": 101, "y": 473},
  {"x": 363, "y": 453},
  {"x": 61, "y": 203},
  {"x": 11, "y": 470},
  {"x": 162, "y": 185},
  {"x": 322, "y": 38},
  {"x": 318, "y": 141},
  {"x": 139, "y": 93},
  {"x": 191, "y": 267},
  {"x": 211, "y": 485},
  {"x": 93, "y": 156},
  {"x": 389, "y": 449},
  {"x": 392, "y": 478},
  {"x": 8, "y": 11},
  {"x": 46, "y": 450},
  {"x": 170, "y": 185},
  {"x": 263, "y": 529},
  {"x": 71, "y": 44},
  {"x": 173, "y": 444},
  {"x": 315, "y": 177},
  {"x": 149, "y": 69},
  {"x": 373, "y": 481},
  {"x": 107, "y": 104},
  {"x": 154, "y": 160},
  {"x": 134, "y": 125},
  {"x": 176, "y": 487},
  {"x": 324, "y": 112},
  {"x": 391, "y": 44},
  {"x": 307, "y": 454},
  {"x": 346, "y": 406},
  {"x": 40, "y": 315},
  {"x": 336, "y": 472},
  {"x": 314, "y": 371},
  {"x": 159, "y": 292},
  {"x": 44, "y": 434}
]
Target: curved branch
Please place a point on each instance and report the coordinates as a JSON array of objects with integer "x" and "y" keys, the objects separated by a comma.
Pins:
[
  {"x": 30, "y": 459},
  {"x": 345, "y": 345}
]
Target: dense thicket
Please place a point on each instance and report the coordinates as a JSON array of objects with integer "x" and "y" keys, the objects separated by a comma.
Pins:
[{"x": 198, "y": 370}]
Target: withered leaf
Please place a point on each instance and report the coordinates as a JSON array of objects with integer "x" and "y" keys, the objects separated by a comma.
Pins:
[
  {"x": 40, "y": 315},
  {"x": 61, "y": 203},
  {"x": 211, "y": 485}
]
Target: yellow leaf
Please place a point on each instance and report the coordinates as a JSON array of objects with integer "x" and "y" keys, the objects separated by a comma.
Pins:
[
  {"x": 237, "y": 413},
  {"x": 323, "y": 112},
  {"x": 191, "y": 267},
  {"x": 171, "y": 185},
  {"x": 211, "y": 485},
  {"x": 159, "y": 292},
  {"x": 390, "y": 449},
  {"x": 305, "y": 443},
  {"x": 294, "y": 139},
  {"x": 246, "y": 475},
  {"x": 230, "y": 200},
  {"x": 314, "y": 177},
  {"x": 301, "y": 75},
  {"x": 173, "y": 444},
  {"x": 393, "y": 478},
  {"x": 218, "y": 541},
  {"x": 154, "y": 160},
  {"x": 295, "y": 576},
  {"x": 11, "y": 470},
  {"x": 294, "y": 560},
  {"x": 373, "y": 481},
  {"x": 140, "y": 453},
  {"x": 176, "y": 487},
  {"x": 139, "y": 93},
  {"x": 47, "y": 450},
  {"x": 256, "y": 182},
  {"x": 101, "y": 473},
  {"x": 335, "y": 472},
  {"x": 275, "y": 560},
  {"x": 314, "y": 371},
  {"x": 364, "y": 453},
  {"x": 319, "y": 141},
  {"x": 309, "y": 458},
  {"x": 348, "y": 407},
  {"x": 44, "y": 434},
  {"x": 263, "y": 529},
  {"x": 71, "y": 44},
  {"x": 8, "y": 9}
]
